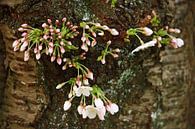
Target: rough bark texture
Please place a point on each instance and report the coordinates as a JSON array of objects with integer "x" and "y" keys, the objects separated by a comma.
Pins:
[{"x": 155, "y": 89}]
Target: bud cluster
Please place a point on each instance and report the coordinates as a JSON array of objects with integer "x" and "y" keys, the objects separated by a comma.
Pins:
[
  {"x": 159, "y": 37},
  {"x": 91, "y": 31}
]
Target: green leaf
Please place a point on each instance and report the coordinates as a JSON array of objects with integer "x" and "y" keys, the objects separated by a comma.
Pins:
[
  {"x": 155, "y": 21},
  {"x": 83, "y": 24},
  {"x": 113, "y": 3},
  {"x": 99, "y": 58},
  {"x": 165, "y": 41},
  {"x": 131, "y": 31},
  {"x": 162, "y": 32}
]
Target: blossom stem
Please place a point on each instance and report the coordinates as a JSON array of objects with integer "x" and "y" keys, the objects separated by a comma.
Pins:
[{"x": 141, "y": 41}]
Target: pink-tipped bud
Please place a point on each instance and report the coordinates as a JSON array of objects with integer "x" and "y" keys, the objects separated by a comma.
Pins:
[
  {"x": 116, "y": 50},
  {"x": 45, "y": 37},
  {"x": 64, "y": 19},
  {"x": 24, "y": 45},
  {"x": 57, "y": 30},
  {"x": 68, "y": 23},
  {"x": 114, "y": 32},
  {"x": 59, "y": 60},
  {"x": 83, "y": 38},
  {"x": 89, "y": 75},
  {"x": 21, "y": 29},
  {"x": 40, "y": 47},
  {"x": 53, "y": 58},
  {"x": 115, "y": 55},
  {"x": 84, "y": 47},
  {"x": 23, "y": 39},
  {"x": 51, "y": 30},
  {"x": 69, "y": 43},
  {"x": 93, "y": 43},
  {"x": 50, "y": 50},
  {"x": 62, "y": 43},
  {"x": 35, "y": 50},
  {"x": 85, "y": 81},
  {"x": 104, "y": 27},
  {"x": 57, "y": 22},
  {"x": 94, "y": 34},
  {"x": 78, "y": 81},
  {"x": 38, "y": 55},
  {"x": 24, "y": 25},
  {"x": 51, "y": 44},
  {"x": 15, "y": 43},
  {"x": 103, "y": 61},
  {"x": 62, "y": 50},
  {"x": 49, "y": 21},
  {"x": 44, "y": 25},
  {"x": 59, "y": 36},
  {"x": 24, "y": 34},
  {"x": 109, "y": 42},
  {"x": 88, "y": 42}
]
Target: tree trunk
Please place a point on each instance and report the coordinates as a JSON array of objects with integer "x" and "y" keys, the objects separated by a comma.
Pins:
[{"x": 154, "y": 89}]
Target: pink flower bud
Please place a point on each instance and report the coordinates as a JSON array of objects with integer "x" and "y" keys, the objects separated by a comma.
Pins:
[
  {"x": 62, "y": 50},
  {"x": 85, "y": 81},
  {"x": 94, "y": 34},
  {"x": 24, "y": 25},
  {"x": 49, "y": 21},
  {"x": 146, "y": 31},
  {"x": 84, "y": 47},
  {"x": 78, "y": 81},
  {"x": 64, "y": 19},
  {"x": 15, "y": 43},
  {"x": 35, "y": 50},
  {"x": 45, "y": 37},
  {"x": 109, "y": 42},
  {"x": 51, "y": 30},
  {"x": 89, "y": 75},
  {"x": 93, "y": 43},
  {"x": 59, "y": 60},
  {"x": 53, "y": 58},
  {"x": 24, "y": 34},
  {"x": 114, "y": 32},
  {"x": 116, "y": 50},
  {"x": 62, "y": 43},
  {"x": 38, "y": 55},
  {"x": 51, "y": 44},
  {"x": 40, "y": 47},
  {"x": 23, "y": 39},
  {"x": 103, "y": 61},
  {"x": 88, "y": 42},
  {"x": 57, "y": 22},
  {"x": 21, "y": 29},
  {"x": 67, "y": 105},
  {"x": 44, "y": 25},
  {"x": 83, "y": 38},
  {"x": 23, "y": 46},
  {"x": 50, "y": 50},
  {"x": 69, "y": 43},
  {"x": 115, "y": 55},
  {"x": 104, "y": 27},
  {"x": 59, "y": 36},
  {"x": 57, "y": 30},
  {"x": 16, "y": 48}
]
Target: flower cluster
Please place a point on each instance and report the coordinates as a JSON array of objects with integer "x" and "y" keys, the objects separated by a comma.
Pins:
[
  {"x": 90, "y": 32},
  {"x": 160, "y": 37},
  {"x": 53, "y": 39},
  {"x": 97, "y": 107}
]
